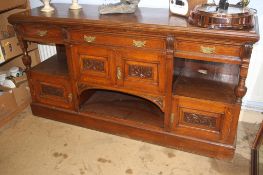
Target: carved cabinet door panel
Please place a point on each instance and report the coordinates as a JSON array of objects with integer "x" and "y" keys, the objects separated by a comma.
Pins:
[
  {"x": 93, "y": 64},
  {"x": 141, "y": 70},
  {"x": 55, "y": 91},
  {"x": 203, "y": 119}
]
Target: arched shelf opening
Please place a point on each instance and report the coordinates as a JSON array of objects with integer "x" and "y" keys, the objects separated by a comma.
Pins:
[{"x": 120, "y": 106}]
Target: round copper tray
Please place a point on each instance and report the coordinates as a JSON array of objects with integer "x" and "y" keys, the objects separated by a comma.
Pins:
[{"x": 207, "y": 15}]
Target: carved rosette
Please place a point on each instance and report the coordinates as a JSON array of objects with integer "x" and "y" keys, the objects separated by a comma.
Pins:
[
  {"x": 140, "y": 71},
  {"x": 50, "y": 90},
  {"x": 94, "y": 65},
  {"x": 170, "y": 45},
  {"x": 198, "y": 119}
]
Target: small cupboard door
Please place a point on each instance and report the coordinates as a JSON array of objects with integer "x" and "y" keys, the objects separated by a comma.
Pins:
[
  {"x": 94, "y": 64},
  {"x": 141, "y": 70},
  {"x": 55, "y": 91},
  {"x": 204, "y": 119}
]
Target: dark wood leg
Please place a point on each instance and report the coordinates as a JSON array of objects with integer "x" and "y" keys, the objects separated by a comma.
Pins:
[
  {"x": 23, "y": 45},
  {"x": 241, "y": 88},
  {"x": 26, "y": 58}
]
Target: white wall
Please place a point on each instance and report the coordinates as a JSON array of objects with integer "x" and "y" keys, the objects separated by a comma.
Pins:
[
  {"x": 143, "y": 3},
  {"x": 254, "y": 97}
]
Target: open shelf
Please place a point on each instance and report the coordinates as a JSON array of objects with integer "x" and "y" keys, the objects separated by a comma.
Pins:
[
  {"x": 205, "y": 80},
  {"x": 54, "y": 65},
  {"x": 123, "y": 107},
  {"x": 204, "y": 89}
]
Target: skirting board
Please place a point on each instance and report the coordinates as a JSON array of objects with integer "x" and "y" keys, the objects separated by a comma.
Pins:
[
  {"x": 253, "y": 105},
  {"x": 255, "y": 113}
]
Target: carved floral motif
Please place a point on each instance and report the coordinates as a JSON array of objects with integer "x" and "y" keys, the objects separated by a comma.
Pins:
[
  {"x": 94, "y": 65},
  {"x": 157, "y": 100},
  {"x": 198, "y": 119},
  {"x": 140, "y": 71},
  {"x": 50, "y": 90}
]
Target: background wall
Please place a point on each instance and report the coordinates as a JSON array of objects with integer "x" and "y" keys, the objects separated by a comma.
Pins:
[{"x": 254, "y": 97}]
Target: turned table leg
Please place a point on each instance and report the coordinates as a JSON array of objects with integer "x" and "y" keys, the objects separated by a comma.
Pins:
[
  {"x": 26, "y": 58},
  {"x": 241, "y": 88},
  {"x": 23, "y": 45}
]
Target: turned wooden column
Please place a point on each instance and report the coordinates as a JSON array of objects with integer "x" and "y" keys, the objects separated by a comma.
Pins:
[
  {"x": 241, "y": 88},
  {"x": 26, "y": 60},
  {"x": 169, "y": 81},
  {"x": 23, "y": 45}
]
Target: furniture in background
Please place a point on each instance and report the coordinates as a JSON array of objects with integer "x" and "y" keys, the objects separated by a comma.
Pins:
[
  {"x": 148, "y": 76},
  {"x": 257, "y": 153}
]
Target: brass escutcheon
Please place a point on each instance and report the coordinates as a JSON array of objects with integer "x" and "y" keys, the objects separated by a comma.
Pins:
[
  {"x": 172, "y": 119},
  {"x": 207, "y": 50},
  {"x": 119, "y": 73},
  {"x": 42, "y": 33},
  {"x": 139, "y": 43},
  {"x": 89, "y": 39},
  {"x": 70, "y": 97}
]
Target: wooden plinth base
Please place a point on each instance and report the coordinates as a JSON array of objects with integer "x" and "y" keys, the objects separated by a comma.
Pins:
[{"x": 151, "y": 135}]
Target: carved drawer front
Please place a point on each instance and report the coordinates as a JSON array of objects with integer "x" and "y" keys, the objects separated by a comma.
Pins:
[
  {"x": 118, "y": 40},
  {"x": 143, "y": 72},
  {"x": 52, "y": 91},
  {"x": 94, "y": 64},
  {"x": 200, "y": 119},
  {"x": 200, "y": 50},
  {"x": 42, "y": 33}
]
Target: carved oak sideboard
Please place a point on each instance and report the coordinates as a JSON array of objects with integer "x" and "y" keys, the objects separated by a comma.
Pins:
[{"x": 148, "y": 76}]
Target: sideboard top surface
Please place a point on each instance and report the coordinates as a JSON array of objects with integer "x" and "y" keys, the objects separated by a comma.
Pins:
[{"x": 145, "y": 19}]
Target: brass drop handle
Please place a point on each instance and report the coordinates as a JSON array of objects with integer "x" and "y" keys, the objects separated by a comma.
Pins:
[
  {"x": 119, "y": 73},
  {"x": 89, "y": 39},
  {"x": 139, "y": 44},
  {"x": 42, "y": 33},
  {"x": 207, "y": 50},
  {"x": 70, "y": 97}
]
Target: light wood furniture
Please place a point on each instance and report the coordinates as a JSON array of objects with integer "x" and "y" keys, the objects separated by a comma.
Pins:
[{"x": 148, "y": 76}]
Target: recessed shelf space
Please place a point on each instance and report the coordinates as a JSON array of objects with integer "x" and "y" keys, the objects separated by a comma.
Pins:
[
  {"x": 204, "y": 89},
  {"x": 122, "y": 107},
  {"x": 205, "y": 80},
  {"x": 54, "y": 65}
]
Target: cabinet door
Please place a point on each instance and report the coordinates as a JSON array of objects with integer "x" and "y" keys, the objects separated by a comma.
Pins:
[
  {"x": 141, "y": 70},
  {"x": 204, "y": 119},
  {"x": 55, "y": 91},
  {"x": 94, "y": 64}
]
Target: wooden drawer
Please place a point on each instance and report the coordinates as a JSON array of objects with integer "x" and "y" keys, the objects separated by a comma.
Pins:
[
  {"x": 55, "y": 91},
  {"x": 202, "y": 119},
  {"x": 42, "y": 33},
  {"x": 199, "y": 50},
  {"x": 118, "y": 40}
]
